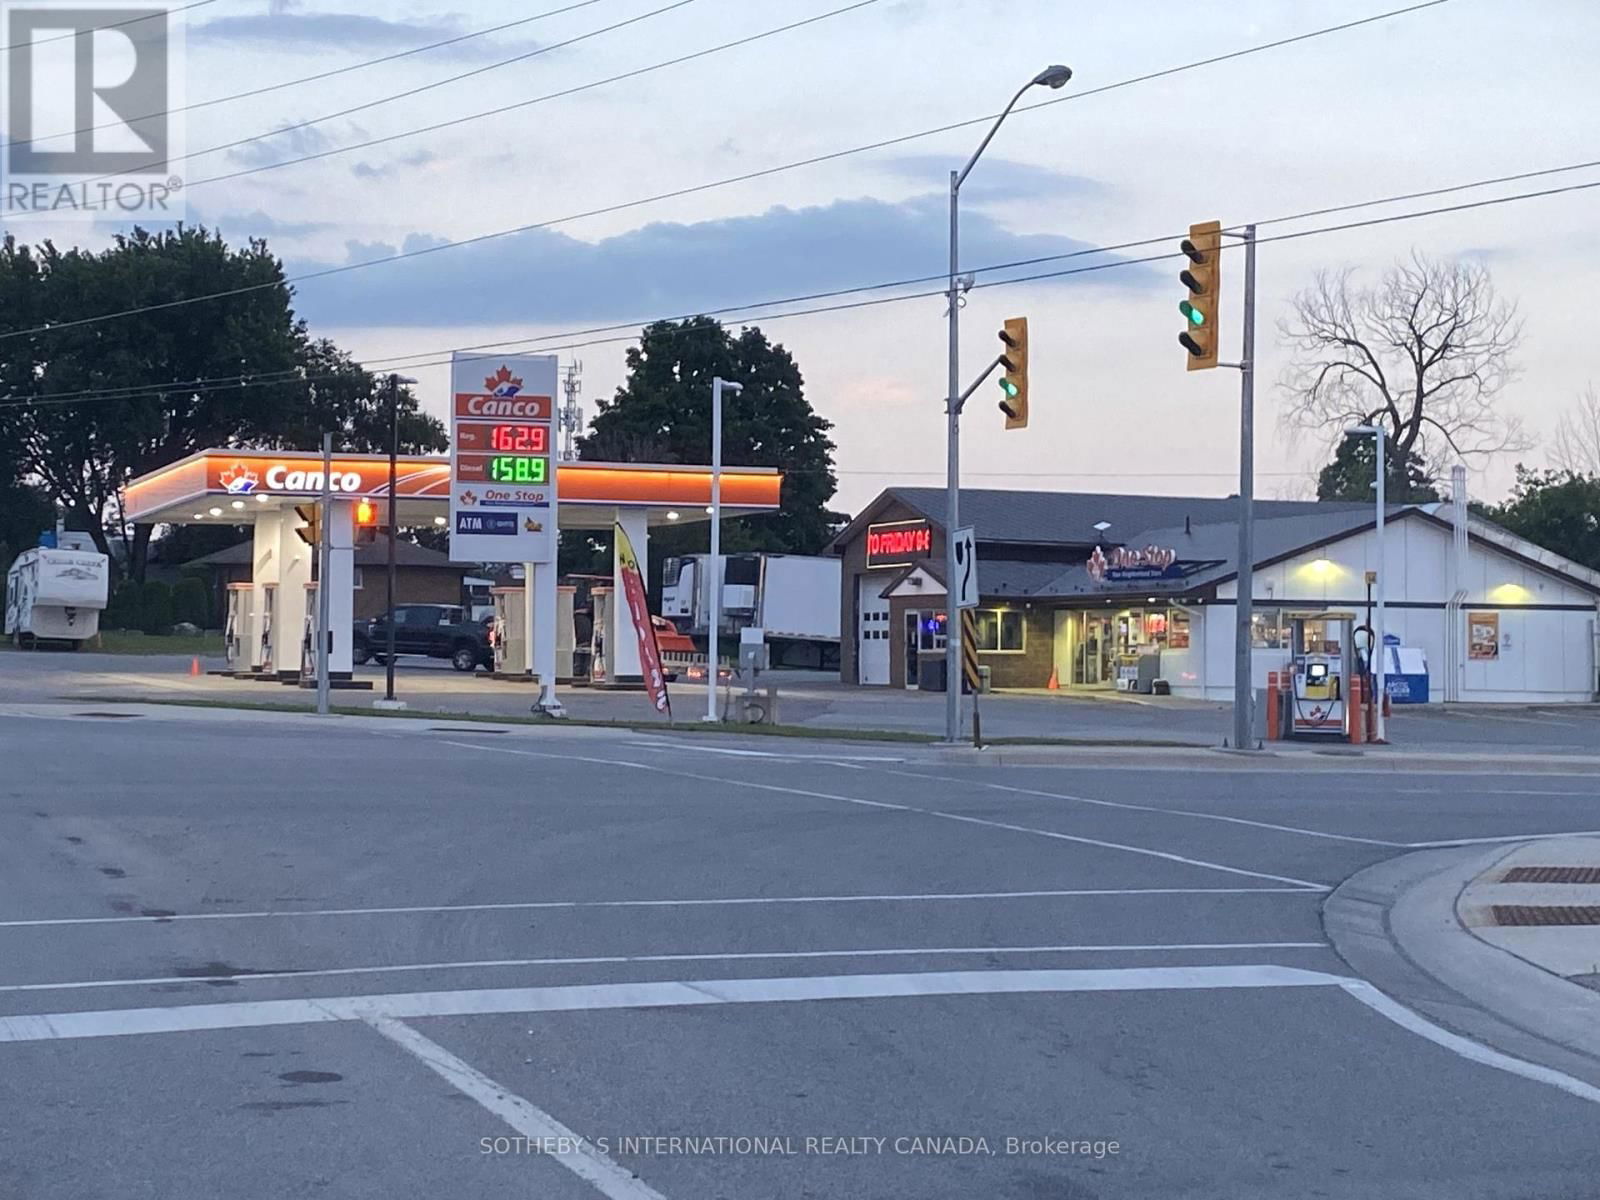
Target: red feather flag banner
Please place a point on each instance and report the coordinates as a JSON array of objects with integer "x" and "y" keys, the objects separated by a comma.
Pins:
[{"x": 655, "y": 679}]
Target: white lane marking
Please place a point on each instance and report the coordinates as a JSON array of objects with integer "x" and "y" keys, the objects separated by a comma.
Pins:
[
  {"x": 1167, "y": 812},
  {"x": 1494, "y": 792},
  {"x": 927, "y": 812},
  {"x": 250, "y": 1014},
  {"x": 1495, "y": 841},
  {"x": 616, "y": 959},
  {"x": 602, "y": 1172},
  {"x": 712, "y": 902},
  {"x": 1465, "y": 1047}
]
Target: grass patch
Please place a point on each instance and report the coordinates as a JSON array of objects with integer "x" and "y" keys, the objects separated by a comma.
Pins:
[
  {"x": 417, "y": 714},
  {"x": 121, "y": 641}
]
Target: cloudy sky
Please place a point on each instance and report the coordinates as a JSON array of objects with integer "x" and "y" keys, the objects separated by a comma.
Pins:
[{"x": 1460, "y": 91}]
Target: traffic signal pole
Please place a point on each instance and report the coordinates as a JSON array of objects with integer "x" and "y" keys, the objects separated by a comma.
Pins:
[
  {"x": 952, "y": 503},
  {"x": 1243, "y": 688}
]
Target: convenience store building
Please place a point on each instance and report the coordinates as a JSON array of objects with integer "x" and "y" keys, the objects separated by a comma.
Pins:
[{"x": 1107, "y": 591}]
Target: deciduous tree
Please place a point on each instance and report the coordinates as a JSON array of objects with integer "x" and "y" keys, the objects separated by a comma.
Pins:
[{"x": 1427, "y": 352}]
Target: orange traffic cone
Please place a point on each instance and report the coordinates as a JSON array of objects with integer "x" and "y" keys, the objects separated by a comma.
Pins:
[
  {"x": 194, "y": 665},
  {"x": 1055, "y": 680}
]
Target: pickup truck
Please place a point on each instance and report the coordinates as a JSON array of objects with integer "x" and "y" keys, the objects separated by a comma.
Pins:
[{"x": 429, "y": 630}]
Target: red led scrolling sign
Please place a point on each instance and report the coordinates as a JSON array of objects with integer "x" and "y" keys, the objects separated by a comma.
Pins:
[{"x": 898, "y": 543}]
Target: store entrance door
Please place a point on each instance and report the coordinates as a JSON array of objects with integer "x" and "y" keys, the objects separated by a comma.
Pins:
[
  {"x": 913, "y": 660},
  {"x": 1091, "y": 662}
]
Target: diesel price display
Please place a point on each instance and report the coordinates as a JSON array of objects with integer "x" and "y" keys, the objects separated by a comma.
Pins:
[{"x": 518, "y": 468}]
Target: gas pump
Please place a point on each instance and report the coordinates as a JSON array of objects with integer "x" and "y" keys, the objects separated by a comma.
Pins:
[
  {"x": 599, "y": 657},
  {"x": 510, "y": 633},
  {"x": 1321, "y": 670},
  {"x": 269, "y": 608},
  {"x": 236, "y": 635}
]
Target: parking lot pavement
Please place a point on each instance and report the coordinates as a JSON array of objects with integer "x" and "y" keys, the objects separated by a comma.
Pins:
[
  {"x": 269, "y": 957},
  {"x": 811, "y": 699}
]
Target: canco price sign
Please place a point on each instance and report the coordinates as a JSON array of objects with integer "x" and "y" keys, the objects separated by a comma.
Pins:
[{"x": 502, "y": 473}]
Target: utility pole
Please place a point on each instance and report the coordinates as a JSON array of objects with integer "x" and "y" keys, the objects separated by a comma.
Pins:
[{"x": 1244, "y": 609}]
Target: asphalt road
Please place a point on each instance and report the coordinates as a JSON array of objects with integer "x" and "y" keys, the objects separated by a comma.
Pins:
[{"x": 257, "y": 957}]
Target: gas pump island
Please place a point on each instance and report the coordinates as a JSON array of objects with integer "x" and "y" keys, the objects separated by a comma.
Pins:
[
  {"x": 497, "y": 494},
  {"x": 1321, "y": 669}
]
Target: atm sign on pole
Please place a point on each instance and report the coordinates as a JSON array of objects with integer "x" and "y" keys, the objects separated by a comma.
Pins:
[{"x": 502, "y": 471}]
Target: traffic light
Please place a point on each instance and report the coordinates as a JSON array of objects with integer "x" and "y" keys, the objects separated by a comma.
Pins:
[
  {"x": 366, "y": 522},
  {"x": 1014, "y": 383},
  {"x": 311, "y": 532},
  {"x": 1203, "y": 279}
]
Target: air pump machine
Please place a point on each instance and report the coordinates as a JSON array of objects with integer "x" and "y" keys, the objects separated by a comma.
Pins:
[{"x": 1321, "y": 669}]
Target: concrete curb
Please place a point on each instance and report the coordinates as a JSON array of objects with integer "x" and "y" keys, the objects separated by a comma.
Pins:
[{"x": 1396, "y": 925}]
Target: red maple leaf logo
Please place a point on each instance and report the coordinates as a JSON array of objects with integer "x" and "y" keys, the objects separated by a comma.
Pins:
[
  {"x": 238, "y": 478},
  {"x": 503, "y": 382}
]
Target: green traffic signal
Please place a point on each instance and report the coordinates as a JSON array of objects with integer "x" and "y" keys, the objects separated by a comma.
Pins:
[
  {"x": 1009, "y": 388},
  {"x": 1196, "y": 317}
]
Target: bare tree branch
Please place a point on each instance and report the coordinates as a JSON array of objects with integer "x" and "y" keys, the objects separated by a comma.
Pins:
[
  {"x": 1576, "y": 447},
  {"x": 1428, "y": 351}
]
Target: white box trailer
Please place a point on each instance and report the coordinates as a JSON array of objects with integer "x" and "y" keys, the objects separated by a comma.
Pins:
[
  {"x": 793, "y": 597},
  {"x": 56, "y": 594}
]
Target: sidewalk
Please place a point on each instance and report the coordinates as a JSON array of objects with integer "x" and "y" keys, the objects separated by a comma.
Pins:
[
  {"x": 1415, "y": 928},
  {"x": 1541, "y": 902}
]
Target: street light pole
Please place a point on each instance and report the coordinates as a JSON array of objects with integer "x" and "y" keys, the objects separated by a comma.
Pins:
[
  {"x": 714, "y": 567},
  {"x": 1051, "y": 77},
  {"x": 1376, "y": 429}
]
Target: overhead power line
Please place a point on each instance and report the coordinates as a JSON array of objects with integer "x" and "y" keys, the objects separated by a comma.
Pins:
[
  {"x": 164, "y": 164},
  {"x": 78, "y": 33},
  {"x": 304, "y": 79},
  {"x": 285, "y": 378},
  {"x": 693, "y": 189}
]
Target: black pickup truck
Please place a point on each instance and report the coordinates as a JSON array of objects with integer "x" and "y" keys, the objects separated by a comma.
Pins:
[{"x": 429, "y": 630}]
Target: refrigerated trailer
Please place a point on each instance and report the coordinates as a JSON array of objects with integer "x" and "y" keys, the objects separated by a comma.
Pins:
[
  {"x": 793, "y": 597},
  {"x": 56, "y": 595}
]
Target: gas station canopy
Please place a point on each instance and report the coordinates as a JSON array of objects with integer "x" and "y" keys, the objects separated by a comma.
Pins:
[{"x": 227, "y": 487}]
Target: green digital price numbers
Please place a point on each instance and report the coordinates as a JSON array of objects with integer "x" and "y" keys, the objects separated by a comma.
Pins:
[{"x": 517, "y": 468}]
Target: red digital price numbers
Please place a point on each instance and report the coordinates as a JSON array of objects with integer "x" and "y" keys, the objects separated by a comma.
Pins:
[{"x": 520, "y": 439}]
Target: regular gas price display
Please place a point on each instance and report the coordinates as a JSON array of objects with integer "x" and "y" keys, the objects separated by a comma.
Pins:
[
  {"x": 520, "y": 439},
  {"x": 519, "y": 468}
]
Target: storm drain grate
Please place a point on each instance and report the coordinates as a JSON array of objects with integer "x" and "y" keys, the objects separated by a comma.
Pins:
[
  {"x": 1547, "y": 914},
  {"x": 1552, "y": 875}
]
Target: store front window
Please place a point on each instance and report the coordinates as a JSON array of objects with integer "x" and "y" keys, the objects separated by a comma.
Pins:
[
  {"x": 1266, "y": 629},
  {"x": 999, "y": 630}
]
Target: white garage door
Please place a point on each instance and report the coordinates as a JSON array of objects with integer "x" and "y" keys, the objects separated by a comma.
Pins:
[{"x": 872, "y": 631}]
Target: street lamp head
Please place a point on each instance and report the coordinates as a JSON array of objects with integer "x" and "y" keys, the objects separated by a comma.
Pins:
[
  {"x": 397, "y": 380},
  {"x": 1053, "y": 76},
  {"x": 729, "y": 386}
]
